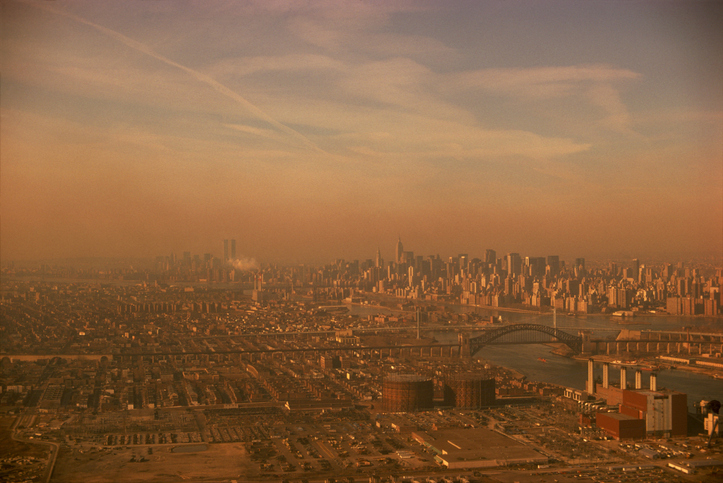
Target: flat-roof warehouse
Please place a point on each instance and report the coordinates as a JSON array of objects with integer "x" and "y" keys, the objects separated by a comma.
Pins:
[{"x": 476, "y": 448}]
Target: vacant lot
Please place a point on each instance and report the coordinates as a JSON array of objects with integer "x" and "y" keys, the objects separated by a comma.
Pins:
[{"x": 221, "y": 462}]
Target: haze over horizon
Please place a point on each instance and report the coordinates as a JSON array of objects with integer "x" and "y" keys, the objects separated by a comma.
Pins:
[{"x": 320, "y": 130}]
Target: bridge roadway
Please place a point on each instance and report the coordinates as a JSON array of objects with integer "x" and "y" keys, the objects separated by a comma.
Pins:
[
  {"x": 521, "y": 334},
  {"x": 666, "y": 342},
  {"x": 341, "y": 348},
  {"x": 406, "y": 328}
]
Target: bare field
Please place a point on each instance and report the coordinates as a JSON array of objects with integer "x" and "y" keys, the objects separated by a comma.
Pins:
[
  {"x": 10, "y": 447},
  {"x": 221, "y": 462}
]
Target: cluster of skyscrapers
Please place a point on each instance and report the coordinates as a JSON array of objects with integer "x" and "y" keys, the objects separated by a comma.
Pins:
[{"x": 229, "y": 255}]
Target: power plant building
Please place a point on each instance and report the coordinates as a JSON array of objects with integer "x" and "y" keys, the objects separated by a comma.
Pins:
[
  {"x": 407, "y": 393},
  {"x": 621, "y": 426},
  {"x": 657, "y": 412}
]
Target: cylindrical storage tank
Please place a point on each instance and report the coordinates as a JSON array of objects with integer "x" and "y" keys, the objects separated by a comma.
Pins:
[
  {"x": 469, "y": 391},
  {"x": 407, "y": 393}
]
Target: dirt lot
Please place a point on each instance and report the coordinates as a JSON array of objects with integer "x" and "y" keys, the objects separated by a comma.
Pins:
[
  {"x": 9, "y": 447},
  {"x": 221, "y": 462},
  {"x": 21, "y": 461}
]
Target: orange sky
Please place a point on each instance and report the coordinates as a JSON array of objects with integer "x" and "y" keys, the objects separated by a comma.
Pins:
[{"x": 325, "y": 130}]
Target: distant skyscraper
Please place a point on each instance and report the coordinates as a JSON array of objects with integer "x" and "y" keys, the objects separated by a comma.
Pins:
[
  {"x": 233, "y": 249},
  {"x": 399, "y": 252},
  {"x": 636, "y": 270},
  {"x": 490, "y": 256},
  {"x": 378, "y": 262},
  {"x": 537, "y": 266},
  {"x": 553, "y": 261},
  {"x": 514, "y": 264},
  {"x": 225, "y": 250},
  {"x": 463, "y": 260}
]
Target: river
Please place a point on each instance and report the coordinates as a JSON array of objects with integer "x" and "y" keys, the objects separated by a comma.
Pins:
[
  {"x": 526, "y": 359},
  {"x": 573, "y": 373}
]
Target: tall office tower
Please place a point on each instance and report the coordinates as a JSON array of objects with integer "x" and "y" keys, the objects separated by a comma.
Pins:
[
  {"x": 636, "y": 270},
  {"x": 683, "y": 285},
  {"x": 463, "y": 260},
  {"x": 514, "y": 264},
  {"x": 666, "y": 272},
  {"x": 435, "y": 264},
  {"x": 537, "y": 266},
  {"x": 579, "y": 268},
  {"x": 553, "y": 261},
  {"x": 490, "y": 257},
  {"x": 399, "y": 252},
  {"x": 379, "y": 262},
  {"x": 225, "y": 250},
  {"x": 408, "y": 258},
  {"x": 233, "y": 249}
]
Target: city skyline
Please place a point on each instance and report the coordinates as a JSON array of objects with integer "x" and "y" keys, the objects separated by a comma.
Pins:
[
  {"x": 223, "y": 252},
  {"x": 318, "y": 131}
]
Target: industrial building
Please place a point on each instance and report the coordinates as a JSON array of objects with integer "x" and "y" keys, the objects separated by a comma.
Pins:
[
  {"x": 476, "y": 448},
  {"x": 621, "y": 426},
  {"x": 469, "y": 391},
  {"x": 665, "y": 412},
  {"x": 661, "y": 412},
  {"x": 406, "y": 393}
]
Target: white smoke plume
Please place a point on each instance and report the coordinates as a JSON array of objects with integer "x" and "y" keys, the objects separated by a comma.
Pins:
[{"x": 244, "y": 264}]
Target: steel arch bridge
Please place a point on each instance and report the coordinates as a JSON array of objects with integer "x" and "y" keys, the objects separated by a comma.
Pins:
[{"x": 524, "y": 334}]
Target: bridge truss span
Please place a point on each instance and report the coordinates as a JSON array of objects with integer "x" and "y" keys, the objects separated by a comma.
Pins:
[{"x": 524, "y": 334}]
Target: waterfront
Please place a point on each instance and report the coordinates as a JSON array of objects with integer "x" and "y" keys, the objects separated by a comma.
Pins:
[
  {"x": 573, "y": 373},
  {"x": 568, "y": 372}
]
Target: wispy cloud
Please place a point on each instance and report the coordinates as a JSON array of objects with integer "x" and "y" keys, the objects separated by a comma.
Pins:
[
  {"x": 200, "y": 76},
  {"x": 537, "y": 82},
  {"x": 595, "y": 84}
]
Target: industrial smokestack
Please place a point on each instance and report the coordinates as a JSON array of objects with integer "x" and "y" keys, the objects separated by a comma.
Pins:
[
  {"x": 606, "y": 375},
  {"x": 653, "y": 382},
  {"x": 623, "y": 377}
]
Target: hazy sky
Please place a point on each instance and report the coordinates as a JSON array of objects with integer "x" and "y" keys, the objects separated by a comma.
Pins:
[{"x": 314, "y": 130}]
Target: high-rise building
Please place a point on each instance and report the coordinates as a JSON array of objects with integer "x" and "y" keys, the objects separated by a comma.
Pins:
[
  {"x": 463, "y": 260},
  {"x": 636, "y": 270},
  {"x": 553, "y": 261},
  {"x": 225, "y": 250},
  {"x": 233, "y": 249},
  {"x": 537, "y": 266},
  {"x": 514, "y": 264},
  {"x": 490, "y": 257},
  {"x": 399, "y": 252}
]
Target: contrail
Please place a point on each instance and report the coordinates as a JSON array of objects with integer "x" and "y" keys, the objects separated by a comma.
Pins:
[{"x": 220, "y": 88}]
